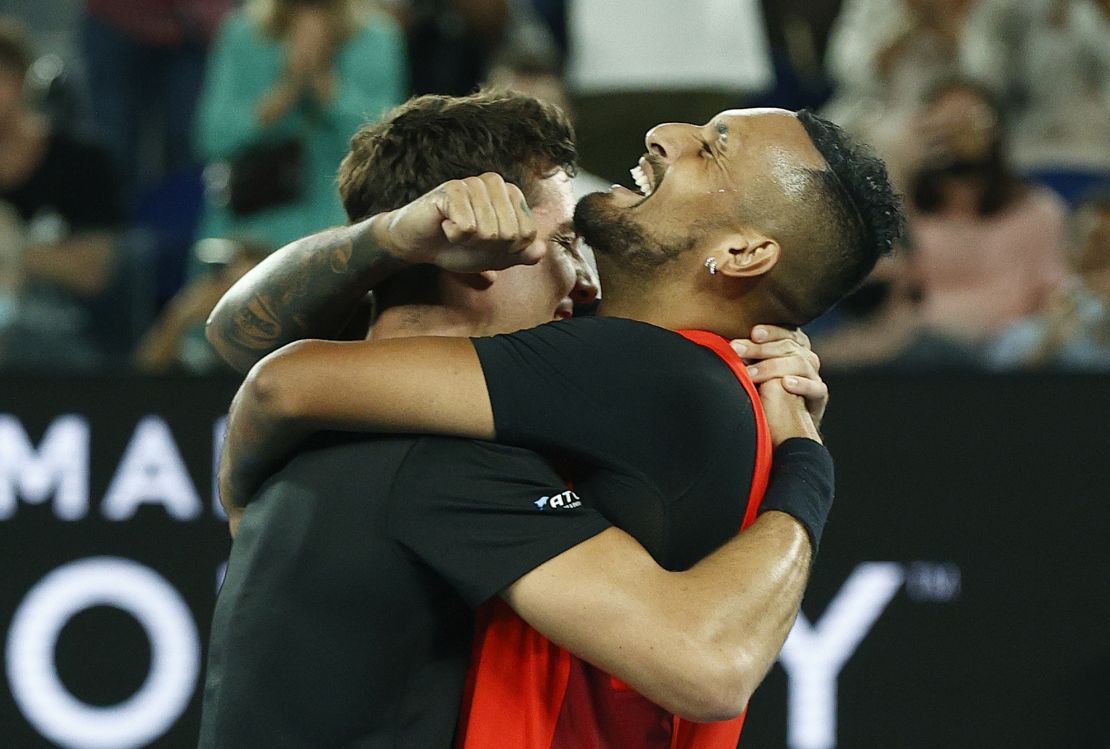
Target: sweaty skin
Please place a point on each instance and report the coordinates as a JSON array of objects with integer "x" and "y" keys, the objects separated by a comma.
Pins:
[{"x": 737, "y": 604}]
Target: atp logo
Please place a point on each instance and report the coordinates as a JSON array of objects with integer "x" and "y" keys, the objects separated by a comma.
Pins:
[{"x": 567, "y": 500}]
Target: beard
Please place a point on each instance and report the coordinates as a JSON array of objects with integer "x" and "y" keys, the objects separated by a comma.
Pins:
[{"x": 614, "y": 232}]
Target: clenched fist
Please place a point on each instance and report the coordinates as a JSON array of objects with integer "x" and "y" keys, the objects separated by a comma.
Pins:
[{"x": 464, "y": 226}]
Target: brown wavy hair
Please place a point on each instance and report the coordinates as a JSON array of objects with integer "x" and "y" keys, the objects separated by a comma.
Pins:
[{"x": 431, "y": 139}]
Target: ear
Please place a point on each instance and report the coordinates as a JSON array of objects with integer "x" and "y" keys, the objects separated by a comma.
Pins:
[{"x": 746, "y": 254}]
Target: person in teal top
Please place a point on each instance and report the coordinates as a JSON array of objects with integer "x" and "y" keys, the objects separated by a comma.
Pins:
[{"x": 282, "y": 69}]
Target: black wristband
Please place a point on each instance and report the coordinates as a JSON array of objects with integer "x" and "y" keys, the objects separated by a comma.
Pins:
[{"x": 802, "y": 485}]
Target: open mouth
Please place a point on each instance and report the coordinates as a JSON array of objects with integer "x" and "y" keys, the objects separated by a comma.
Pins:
[{"x": 648, "y": 174}]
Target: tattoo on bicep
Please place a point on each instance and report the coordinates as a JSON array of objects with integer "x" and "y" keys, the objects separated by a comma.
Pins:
[
  {"x": 257, "y": 325},
  {"x": 340, "y": 259},
  {"x": 299, "y": 298}
]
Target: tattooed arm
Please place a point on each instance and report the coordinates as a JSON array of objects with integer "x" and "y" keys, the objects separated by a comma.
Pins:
[
  {"x": 312, "y": 287},
  {"x": 307, "y": 289}
]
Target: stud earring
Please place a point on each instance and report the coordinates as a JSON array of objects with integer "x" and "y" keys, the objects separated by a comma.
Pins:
[{"x": 711, "y": 264}]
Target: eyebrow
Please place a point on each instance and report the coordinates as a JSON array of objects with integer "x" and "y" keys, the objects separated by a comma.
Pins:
[{"x": 565, "y": 228}]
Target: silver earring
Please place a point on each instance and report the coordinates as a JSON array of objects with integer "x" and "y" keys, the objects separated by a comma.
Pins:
[{"x": 711, "y": 264}]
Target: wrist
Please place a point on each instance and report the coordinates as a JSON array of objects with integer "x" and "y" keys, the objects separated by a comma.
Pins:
[
  {"x": 802, "y": 485},
  {"x": 799, "y": 427},
  {"x": 374, "y": 238}
]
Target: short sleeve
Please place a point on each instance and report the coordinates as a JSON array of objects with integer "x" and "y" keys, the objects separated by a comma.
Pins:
[
  {"x": 481, "y": 515},
  {"x": 607, "y": 391}
]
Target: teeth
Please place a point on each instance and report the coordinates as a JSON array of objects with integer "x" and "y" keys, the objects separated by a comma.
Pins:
[{"x": 641, "y": 179}]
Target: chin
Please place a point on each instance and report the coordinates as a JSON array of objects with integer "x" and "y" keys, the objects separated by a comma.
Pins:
[{"x": 603, "y": 225}]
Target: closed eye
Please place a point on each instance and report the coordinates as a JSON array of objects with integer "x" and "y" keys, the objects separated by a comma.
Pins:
[{"x": 567, "y": 241}]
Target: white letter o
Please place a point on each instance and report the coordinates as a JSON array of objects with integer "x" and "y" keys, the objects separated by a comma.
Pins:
[{"x": 174, "y": 654}]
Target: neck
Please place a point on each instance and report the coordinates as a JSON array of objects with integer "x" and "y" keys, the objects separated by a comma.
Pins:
[
  {"x": 407, "y": 320},
  {"x": 672, "y": 304}
]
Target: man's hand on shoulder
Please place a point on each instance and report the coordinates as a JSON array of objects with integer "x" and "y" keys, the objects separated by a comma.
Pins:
[
  {"x": 777, "y": 353},
  {"x": 463, "y": 226}
]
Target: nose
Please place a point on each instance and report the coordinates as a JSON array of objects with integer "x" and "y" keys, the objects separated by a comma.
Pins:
[
  {"x": 587, "y": 287},
  {"x": 669, "y": 140}
]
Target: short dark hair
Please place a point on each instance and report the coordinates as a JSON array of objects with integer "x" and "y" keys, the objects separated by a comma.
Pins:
[
  {"x": 15, "y": 49},
  {"x": 432, "y": 139},
  {"x": 852, "y": 217}
]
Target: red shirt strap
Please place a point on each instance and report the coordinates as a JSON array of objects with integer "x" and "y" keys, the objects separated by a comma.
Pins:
[{"x": 763, "y": 448}]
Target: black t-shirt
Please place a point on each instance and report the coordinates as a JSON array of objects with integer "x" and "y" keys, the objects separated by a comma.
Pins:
[
  {"x": 662, "y": 433},
  {"x": 74, "y": 182},
  {"x": 345, "y": 616},
  {"x": 72, "y": 190}
]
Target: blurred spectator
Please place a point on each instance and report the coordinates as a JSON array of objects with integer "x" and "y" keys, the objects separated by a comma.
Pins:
[
  {"x": 60, "y": 248},
  {"x": 145, "y": 63},
  {"x": 636, "y": 63},
  {"x": 1050, "y": 60},
  {"x": 176, "y": 340},
  {"x": 879, "y": 327},
  {"x": 988, "y": 248},
  {"x": 1074, "y": 330},
  {"x": 535, "y": 72},
  {"x": 798, "y": 32},
  {"x": 288, "y": 83},
  {"x": 450, "y": 41},
  {"x": 883, "y": 57}
]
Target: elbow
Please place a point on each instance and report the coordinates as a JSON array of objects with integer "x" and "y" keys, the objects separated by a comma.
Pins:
[
  {"x": 215, "y": 331},
  {"x": 720, "y": 690},
  {"x": 270, "y": 388}
]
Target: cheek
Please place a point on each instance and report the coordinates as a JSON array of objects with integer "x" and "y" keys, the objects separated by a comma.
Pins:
[{"x": 563, "y": 274}]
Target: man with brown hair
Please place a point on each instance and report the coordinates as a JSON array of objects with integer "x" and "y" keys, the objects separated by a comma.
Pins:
[
  {"x": 332, "y": 628},
  {"x": 316, "y": 287}
]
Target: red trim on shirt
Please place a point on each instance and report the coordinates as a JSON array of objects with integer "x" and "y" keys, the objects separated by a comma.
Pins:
[{"x": 518, "y": 682}]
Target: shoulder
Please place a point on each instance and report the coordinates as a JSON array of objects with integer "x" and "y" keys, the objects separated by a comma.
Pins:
[
  {"x": 332, "y": 460},
  {"x": 430, "y": 459},
  {"x": 602, "y": 336}
]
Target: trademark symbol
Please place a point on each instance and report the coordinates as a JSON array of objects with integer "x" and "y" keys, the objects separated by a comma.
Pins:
[{"x": 933, "y": 582}]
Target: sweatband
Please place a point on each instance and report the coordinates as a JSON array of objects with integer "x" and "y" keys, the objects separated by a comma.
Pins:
[{"x": 802, "y": 485}]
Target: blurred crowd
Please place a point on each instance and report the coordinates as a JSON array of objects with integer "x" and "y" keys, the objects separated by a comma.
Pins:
[{"x": 152, "y": 151}]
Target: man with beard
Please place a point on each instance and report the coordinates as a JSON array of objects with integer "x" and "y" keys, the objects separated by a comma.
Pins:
[{"x": 601, "y": 597}]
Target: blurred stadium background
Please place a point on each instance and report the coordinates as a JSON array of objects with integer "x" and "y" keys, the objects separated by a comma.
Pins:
[{"x": 962, "y": 593}]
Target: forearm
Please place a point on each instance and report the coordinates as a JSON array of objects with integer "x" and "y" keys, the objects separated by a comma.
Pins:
[
  {"x": 747, "y": 596},
  {"x": 158, "y": 350},
  {"x": 413, "y": 385},
  {"x": 307, "y": 289},
  {"x": 696, "y": 642},
  {"x": 83, "y": 264}
]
